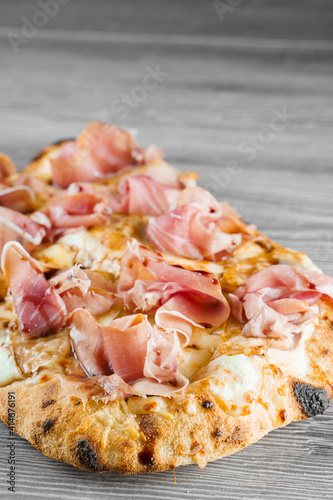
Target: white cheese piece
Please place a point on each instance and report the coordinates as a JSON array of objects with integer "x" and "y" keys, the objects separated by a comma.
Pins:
[
  {"x": 92, "y": 253},
  {"x": 230, "y": 379},
  {"x": 8, "y": 371},
  {"x": 294, "y": 361}
]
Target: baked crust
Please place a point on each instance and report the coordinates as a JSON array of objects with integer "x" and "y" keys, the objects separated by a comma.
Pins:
[{"x": 153, "y": 434}]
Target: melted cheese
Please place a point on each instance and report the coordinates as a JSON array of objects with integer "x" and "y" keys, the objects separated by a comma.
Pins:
[
  {"x": 230, "y": 379},
  {"x": 92, "y": 253},
  {"x": 293, "y": 361},
  {"x": 8, "y": 370}
]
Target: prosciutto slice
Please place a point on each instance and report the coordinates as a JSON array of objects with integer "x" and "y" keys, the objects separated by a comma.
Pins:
[
  {"x": 100, "y": 151},
  {"x": 19, "y": 198},
  {"x": 82, "y": 288},
  {"x": 199, "y": 228},
  {"x": 142, "y": 195},
  {"x": 120, "y": 347},
  {"x": 15, "y": 226},
  {"x": 127, "y": 350},
  {"x": 39, "y": 308},
  {"x": 155, "y": 192},
  {"x": 69, "y": 210},
  {"x": 177, "y": 295},
  {"x": 278, "y": 302}
]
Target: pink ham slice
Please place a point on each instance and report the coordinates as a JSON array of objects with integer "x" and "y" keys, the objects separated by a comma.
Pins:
[
  {"x": 127, "y": 350},
  {"x": 277, "y": 302},
  {"x": 100, "y": 151},
  {"x": 39, "y": 308},
  {"x": 15, "y": 226},
  {"x": 119, "y": 348},
  {"x": 155, "y": 192},
  {"x": 82, "y": 288},
  {"x": 199, "y": 228},
  {"x": 18, "y": 198},
  {"x": 20, "y": 193},
  {"x": 81, "y": 209},
  {"x": 189, "y": 298},
  {"x": 38, "y": 186},
  {"x": 142, "y": 195}
]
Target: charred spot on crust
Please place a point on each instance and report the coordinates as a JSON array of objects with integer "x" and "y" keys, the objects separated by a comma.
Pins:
[
  {"x": 87, "y": 456},
  {"x": 146, "y": 457},
  {"x": 47, "y": 403},
  {"x": 283, "y": 415},
  {"x": 236, "y": 437},
  {"x": 48, "y": 424},
  {"x": 217, "y": 433},
  {"x": 207, "y": 404},
  {"x": 312, "y": 400}
]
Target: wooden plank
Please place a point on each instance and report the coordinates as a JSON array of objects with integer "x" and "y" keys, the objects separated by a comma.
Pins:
[
  {"x": 212, "y": 100},
  {"x": 298, "y": 19}
]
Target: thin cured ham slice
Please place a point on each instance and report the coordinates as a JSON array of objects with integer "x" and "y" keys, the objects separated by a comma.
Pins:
[
  {"x": 20, "y": 193},
  {"x": 130, "y": 350},
  {"x": 42, "y": 306},
  {"x": 278, "y": 302},
  {"x": 82, "y": 288},
  {"x": 39, "y": 308},
  {"x": 190, "y": 298},
  {"x": 199, "y": 228},
  {"x": 100, "y": 151},
  {"x": 120, "y": 347},
  {"x": 155, "y": 192},
  {"x": 68, "y": 210},
  {"x": 18, "y": 198},
  {"x": 15, "y": 226},
  {"x": 38, "y": 186},
  {"x": 142, "y": 195}
]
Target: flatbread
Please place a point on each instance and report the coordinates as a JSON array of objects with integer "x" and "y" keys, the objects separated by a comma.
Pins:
[{"x": 240, "y": 388}]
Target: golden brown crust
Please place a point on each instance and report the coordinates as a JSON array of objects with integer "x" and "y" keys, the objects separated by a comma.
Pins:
[{"x": 150, "y": 435}]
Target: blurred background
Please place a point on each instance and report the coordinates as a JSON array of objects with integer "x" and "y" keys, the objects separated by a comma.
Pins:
[{"x": 240, "y": 91}]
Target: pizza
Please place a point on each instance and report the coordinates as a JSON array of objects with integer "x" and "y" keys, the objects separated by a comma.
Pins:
[{"x": 144, "y": 324}]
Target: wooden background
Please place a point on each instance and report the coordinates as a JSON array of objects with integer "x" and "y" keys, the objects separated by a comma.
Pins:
[{"x": 224, "y": 80}]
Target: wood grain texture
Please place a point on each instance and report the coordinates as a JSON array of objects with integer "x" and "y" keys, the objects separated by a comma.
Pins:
[
  {"x": 296, "y": 19},
  {"x": 219, "y": 91}
]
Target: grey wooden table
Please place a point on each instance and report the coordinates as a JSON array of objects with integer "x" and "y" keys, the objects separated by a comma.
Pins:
[{"x": 242, "y": 94}]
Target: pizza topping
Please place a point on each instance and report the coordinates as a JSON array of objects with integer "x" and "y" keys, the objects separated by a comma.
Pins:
[
  {"x": 42, "y": 306},
  {"x": 15, "y": 226},
  {"x": 130, "y": 348},
  {"x": 199, "y": 228},
  {"x": 83, "y": 288},
  {"x": 39, "y": 308},
  {"x": 155, "y": 192},
  {"x": 142, "y": 195},
  {"x": 19, "y": 198},
  {"x": 68, "y": 210},
  {"x": 278, "y": 302},
  {"x": 73, "y": 277},
  {"x": 147, "y": 282},
  {"x": 100, "y": 151}
]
